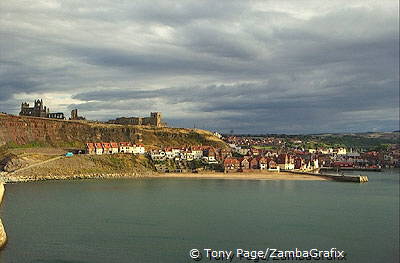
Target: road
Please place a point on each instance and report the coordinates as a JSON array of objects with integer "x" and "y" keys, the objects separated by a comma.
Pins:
[{"x": 35, "y": 164}]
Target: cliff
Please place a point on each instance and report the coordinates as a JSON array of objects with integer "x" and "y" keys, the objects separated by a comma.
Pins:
[{"x": 21, "y": 130}]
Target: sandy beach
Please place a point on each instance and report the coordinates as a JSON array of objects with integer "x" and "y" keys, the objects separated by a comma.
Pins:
[{"x": 242, "y": 176}]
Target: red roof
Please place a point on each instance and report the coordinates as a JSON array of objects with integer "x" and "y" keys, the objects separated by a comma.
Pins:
[
  {"x": 124, "y": 144},
  {"x": 261, "y": 159},
  {"x": 106, "y": 145},
  {"x": 231, "y": 161},
  {"x": 114, "y": 144}
]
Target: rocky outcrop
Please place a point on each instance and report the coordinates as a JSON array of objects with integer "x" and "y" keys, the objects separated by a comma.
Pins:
[
  {"x": 3, "y": 235},
  {"x": 13, "y": 164}
]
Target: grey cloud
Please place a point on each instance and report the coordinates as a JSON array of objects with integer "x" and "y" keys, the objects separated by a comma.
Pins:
[{"x": 228, "y": 64}]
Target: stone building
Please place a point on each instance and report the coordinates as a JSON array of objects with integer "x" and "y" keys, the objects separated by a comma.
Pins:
[
  {"x": 39, "y": 110},
  {"x": 75, "y": 116},
  {"x": 153, "y": 120}
]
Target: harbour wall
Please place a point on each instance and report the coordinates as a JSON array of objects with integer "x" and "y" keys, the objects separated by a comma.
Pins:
[{"x": 339, "y": 178}]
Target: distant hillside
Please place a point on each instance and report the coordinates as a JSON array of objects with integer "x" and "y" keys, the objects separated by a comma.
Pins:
[
  {"x": 17, "y": 131},
  {"x": 365, "y": 141},
  {"x": 369, "y": 141}
]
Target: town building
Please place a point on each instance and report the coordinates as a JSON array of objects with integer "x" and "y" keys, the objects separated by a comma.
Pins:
[
  {"x": 231, "y": 165},
  {"x": 138, "y": 149},
  {"x": 244, "y": 164},
  {"x": 273, "y": 166},
  {"x": 285, "y": 162},
  {"x": 99, "y": 148},
  {"x": 106, "y": 147},
  {"x": 114, "y": 148},
  {"x": 210, "y": 156},
  {"x": 157, "y": 155},
  {"x": 262, "y": 163},
  {"x": 125, "y": 147}
]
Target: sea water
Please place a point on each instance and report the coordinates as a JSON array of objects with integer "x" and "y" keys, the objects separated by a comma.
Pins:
[{"x": 161, "y": 220}]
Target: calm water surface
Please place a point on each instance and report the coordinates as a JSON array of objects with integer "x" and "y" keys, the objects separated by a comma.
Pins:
[{"x": 160, "y": 220}]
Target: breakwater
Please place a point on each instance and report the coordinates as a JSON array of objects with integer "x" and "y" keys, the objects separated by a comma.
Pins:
[
  {"x": 21, "y": 179},
  {"x": 363, "y": 169},
  {"x": 348, "y": 178},
  {"x": 337, "y": 177},
  {"x": 3, "y": 235}
]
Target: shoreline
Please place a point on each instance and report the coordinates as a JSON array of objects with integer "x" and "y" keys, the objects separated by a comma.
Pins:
[
  {"x": 256, "y": 175},
  {"x": 251, "y": 175}
]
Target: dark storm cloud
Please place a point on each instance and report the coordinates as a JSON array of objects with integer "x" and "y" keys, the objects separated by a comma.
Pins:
[
  {"x": 178, "y": 13},
  {"x": 259, "y": 66}
]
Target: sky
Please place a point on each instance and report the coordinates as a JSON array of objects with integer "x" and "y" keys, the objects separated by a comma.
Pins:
[{"x": 242, "y": 66}]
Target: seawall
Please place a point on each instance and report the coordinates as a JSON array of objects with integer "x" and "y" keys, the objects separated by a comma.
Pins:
[
  {"x": 339, "y": 178},
  {"x": 3, "y": 235},
  {"x": 25, "y": 179}
]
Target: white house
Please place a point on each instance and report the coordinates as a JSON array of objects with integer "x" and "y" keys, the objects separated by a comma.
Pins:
[
  {"x": 169, "y": 154},
  {"x": 286, "y": 166},
  {"x": 217, "y": 134},
  {"x": 197, "y": 152},
  {"x": 157, "y": 155},
  {"x": 187, "y": 155},
  {"x": 125, "y": 147},
  {"x": 315, "y": 164},
  {"x": 210, "y": 157},
  {"x": 98, "y": 148},
  {"x": 263, "y": 166},
  {"x": 139, "y": 149},
  {"x": 341, "y": 151},
  {"x": 114, "y": 147}
]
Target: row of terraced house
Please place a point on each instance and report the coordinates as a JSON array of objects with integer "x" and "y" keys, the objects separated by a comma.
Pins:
[
  {"x": 100, "y": 148},
  {"x": 206, "y": 154},
  {"x": 272, "y": 162},
  {"x": 246, "y": 163}
]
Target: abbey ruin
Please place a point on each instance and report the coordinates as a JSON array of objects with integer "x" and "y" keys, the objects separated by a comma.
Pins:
[
  {"x": 39, "y": 110},
  {"x": 153, "y": 120}
]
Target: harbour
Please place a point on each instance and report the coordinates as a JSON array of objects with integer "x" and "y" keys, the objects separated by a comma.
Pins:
[{"x": 157, "y": 220}]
